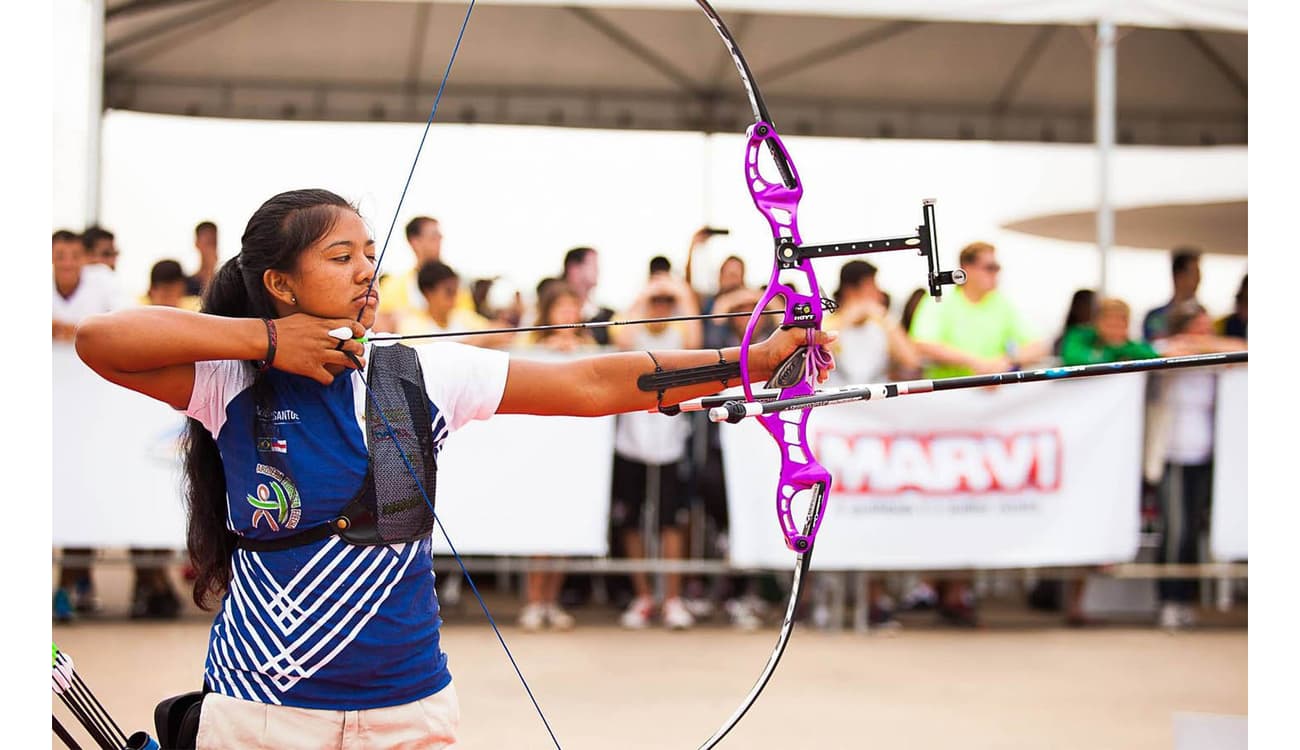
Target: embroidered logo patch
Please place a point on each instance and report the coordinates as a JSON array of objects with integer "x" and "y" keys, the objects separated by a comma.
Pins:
[{"x": 277, "y": 501}]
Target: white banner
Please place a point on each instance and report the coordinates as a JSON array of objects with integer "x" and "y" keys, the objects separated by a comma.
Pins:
[
  {"x": 1229, "y": 510},
  {"x": 1033, "y": 474},
  {"x": 504, "y": 485}
]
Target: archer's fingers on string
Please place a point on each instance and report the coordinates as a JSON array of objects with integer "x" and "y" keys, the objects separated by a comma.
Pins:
[{"x": 335, "y": 357}]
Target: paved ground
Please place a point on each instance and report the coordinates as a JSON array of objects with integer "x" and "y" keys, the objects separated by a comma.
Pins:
[{"x": 1022, "y": 682}]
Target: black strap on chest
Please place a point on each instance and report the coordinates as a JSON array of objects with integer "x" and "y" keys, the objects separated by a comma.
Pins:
[{"x": 389, "y": 508}]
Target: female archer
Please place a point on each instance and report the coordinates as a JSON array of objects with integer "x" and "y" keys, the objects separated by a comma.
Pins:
[{"x": 310, "y": 466}]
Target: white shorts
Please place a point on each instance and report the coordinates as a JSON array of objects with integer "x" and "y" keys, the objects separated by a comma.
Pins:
[{"x": 232, "y": 724}]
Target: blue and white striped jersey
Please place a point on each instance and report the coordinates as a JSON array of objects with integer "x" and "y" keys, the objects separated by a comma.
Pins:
[{"x": 326, "y": 625}]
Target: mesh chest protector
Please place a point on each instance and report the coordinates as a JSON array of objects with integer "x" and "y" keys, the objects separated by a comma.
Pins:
[{"x": 389, "y": 508}]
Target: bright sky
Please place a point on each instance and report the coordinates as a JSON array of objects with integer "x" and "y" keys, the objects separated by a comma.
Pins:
[{"x": 512, "y": 200}]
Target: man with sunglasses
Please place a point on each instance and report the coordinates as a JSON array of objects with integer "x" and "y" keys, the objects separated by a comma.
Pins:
[{"x": 975, "y": 330}]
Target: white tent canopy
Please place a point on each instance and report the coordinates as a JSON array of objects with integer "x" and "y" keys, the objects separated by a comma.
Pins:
[{"x": 1010, "y": 70}]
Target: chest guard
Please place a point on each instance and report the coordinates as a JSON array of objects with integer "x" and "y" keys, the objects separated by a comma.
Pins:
[{"x": 389, "y": 508}]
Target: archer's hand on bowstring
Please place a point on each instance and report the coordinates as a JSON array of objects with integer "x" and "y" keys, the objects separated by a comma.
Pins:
[{"x": 305, "y": 346}]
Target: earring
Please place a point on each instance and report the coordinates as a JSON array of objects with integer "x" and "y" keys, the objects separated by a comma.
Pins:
[{"x": 294, "y": 298}]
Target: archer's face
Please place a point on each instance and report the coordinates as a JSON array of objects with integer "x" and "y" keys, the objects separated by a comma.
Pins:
[{"x": 333, "y": 275}]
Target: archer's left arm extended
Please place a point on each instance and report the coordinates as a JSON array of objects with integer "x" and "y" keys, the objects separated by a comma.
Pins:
[{"x": 607, "y": 384}]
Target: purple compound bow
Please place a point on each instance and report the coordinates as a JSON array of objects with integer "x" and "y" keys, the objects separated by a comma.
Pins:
[{"x": 803, "y": 480}]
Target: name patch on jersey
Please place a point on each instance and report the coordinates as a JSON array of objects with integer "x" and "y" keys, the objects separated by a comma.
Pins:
[
  {"x": 277, "y": 502},
  {"x": 277, "y": 416}
]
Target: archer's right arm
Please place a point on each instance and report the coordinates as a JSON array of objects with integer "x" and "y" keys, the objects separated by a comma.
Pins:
[{"x": 152, "y": 350}]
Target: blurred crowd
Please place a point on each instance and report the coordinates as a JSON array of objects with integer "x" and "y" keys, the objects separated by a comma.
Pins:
[{"x": 668, "y": 496}]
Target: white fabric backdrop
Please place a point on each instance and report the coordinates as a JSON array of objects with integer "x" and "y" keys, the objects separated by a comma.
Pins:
[
  {"x": 1058, "y": 461},
  {"x": 1229, "y": 512},
  {"x": 1035, "y": 474}
]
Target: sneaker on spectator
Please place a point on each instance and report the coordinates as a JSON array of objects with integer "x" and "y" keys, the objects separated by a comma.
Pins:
[
  {"x": 558, "y": 618},
  {"x": 821, "y": 616},
  {"x": 1173, "y": 616},
  {"x": 743, "y": 615},
  {"x": 676, "y": 616},
  {"x": 533, "y": 618},
  {"x": 700, "y": 608},
  {"x": 638, "y": 613},
  {"x": 85, "y": 600},
  {"x": 62, "y": 606}
]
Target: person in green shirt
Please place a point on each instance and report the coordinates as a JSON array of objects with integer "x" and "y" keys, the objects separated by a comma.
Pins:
[
  {"x": 1106, "y": 339},
  {"x": 975, "y": 330}
]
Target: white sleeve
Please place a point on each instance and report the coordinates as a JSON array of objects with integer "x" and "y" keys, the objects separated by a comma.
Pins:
[
  {"x": 464, "y": 382},
  {"x": 216, "y": 382}
]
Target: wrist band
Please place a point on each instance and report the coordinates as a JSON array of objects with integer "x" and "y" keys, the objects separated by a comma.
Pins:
[{"x": 271, "y": 340}]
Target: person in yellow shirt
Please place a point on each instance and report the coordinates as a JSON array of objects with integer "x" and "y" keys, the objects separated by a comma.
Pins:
[
  {"x": 399, "y": 293},
  {"x": 440, "y": 288}
]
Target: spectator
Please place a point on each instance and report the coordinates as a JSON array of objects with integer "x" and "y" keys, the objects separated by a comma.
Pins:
[
  {"x": 1082, "y": 312},
  {"x": 559, "y": 306},
  {"x": 650, "y": 456},
  {"x": 581, "y": 273},
  {"x": 1186, "y": 400},
  {"x": 152, "y": 593},
  {"x": 400, "y": 293},
  {"x": 659, "y": 264},
  {"x": 1186, "y": 268},
  {"x": 79, "y": 291},
  {"x": 1235, "y": 324},
  {"x": 727, "y": 279},
  {"x": 101, "y": 247},
  {"x": 169, "y": 287},
  {"x": 871, "y": 345},
  {"x": 440, "y": 287},
  {"x": 974, "y": 330},
  {"x": 1104, "y": 339},
  {"x": 909, "y": 308},
  {"x": 733, "y": 296},
  {"x": 205, "y": 241}
]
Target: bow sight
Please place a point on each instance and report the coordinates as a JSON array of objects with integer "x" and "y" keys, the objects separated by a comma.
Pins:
[{"x": 925, "y": 241}]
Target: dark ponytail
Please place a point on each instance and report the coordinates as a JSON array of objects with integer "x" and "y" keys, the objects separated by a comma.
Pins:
[{"x": 276, "y": 235}]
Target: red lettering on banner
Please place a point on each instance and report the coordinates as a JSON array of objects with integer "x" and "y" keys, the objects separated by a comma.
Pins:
[{"x": 942, "y": 463}]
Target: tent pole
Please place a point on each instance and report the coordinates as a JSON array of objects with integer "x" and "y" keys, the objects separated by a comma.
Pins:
[
  {"x": 1104, "y": 111},
  {"x": 94, "y": 109}
]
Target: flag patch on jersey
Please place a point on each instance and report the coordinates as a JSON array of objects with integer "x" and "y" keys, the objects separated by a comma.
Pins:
[{"x": 272, "y": 445}]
